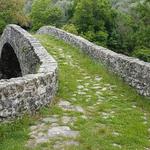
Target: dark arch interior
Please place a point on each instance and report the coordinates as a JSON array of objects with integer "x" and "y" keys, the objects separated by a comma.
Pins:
[{"x": 9, "y": 64}]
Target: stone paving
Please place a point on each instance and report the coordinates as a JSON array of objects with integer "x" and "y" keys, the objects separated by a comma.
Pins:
[
  {"x": 59, "y": 130},
  {"x": 53, "y": 127},
  {"x": 58, "y": 127}
]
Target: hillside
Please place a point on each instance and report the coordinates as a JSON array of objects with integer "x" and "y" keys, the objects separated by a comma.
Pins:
[{"x": 125, "y": 5}]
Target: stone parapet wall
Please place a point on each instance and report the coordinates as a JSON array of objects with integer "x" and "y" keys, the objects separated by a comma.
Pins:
[
  {"x": 132, "y": 70},
  {"x": 38, "y": 84}
]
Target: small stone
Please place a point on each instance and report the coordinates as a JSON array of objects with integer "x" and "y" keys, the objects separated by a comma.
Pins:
[
  {"x": 50, "y": 120},
  {"x": 81, "y": 93},
  {"x": 105, "y": 115},
  {"x": 42, "y": 140},
  {"x": 115, "y": 133},
  {"x": 79, "y": 109},
  {"x": 1, "y": 107},
  {"x": 64, "y": 131},
  {"x": 79, "y": 80},
  {"x": 133, "y": 106},
  {"x": 96, "y": 87},
  {"x": 85, "y": 89},
  {"x": 66, "y": 119},
  {"x": 98, "y": 78},
  {"x": 116, "y": 145},
  {"x": 87, "y": 84},
  {"x": 144, "y": 117},
  {"x": 104, "y": 89},
  {"x": 54, "y": 124},
  {"x": 60, "y": 49},
  {"x": 33, "y": 128},
  {"x": 84, "y": 117},
  {"x": 87, "y": 77},
  {"x": 98, "y": 92},
  {"x": 145, "y": 122},
  {"x": 64, "y": 103},
  {"x": 146, "y": 148},
  {"x": 74, "y": 95},
  {"x": 80, "y": 87},
  {"x": 62, "y": 145}
]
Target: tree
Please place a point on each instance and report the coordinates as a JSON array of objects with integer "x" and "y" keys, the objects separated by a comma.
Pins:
[
  {"x": 44, "y": 13},
  {"x": 93, "y": 18},
  {"x": 121, "y": 37},
  {"x": 66, "y": 9},
  {"x": 11, "y": 11},
  {"x": 141, "y": 16}
]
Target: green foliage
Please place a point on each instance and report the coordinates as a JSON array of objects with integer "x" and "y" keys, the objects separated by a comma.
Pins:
[
  {"x": 66, "y": 8},
  {"x": 70, "y": 28},
  {"x": 43, "y": 13},
  {"x": 2, "y": 25},
  {"x": 131, "y": 29},
  {"x": 11, "y": 11},
  {"x": 99, "y": 37},
  {"x": 142, "y": 18},
  {"x": 121, "y": 37},
  {"x": 142, "y": 53},
  {"x": 13, "y": 135},
  {"x": 142, "y": 36},
  {"x": 93, "y": 18}
]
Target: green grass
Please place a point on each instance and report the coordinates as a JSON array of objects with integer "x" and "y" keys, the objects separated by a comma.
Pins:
[{"x": 125, "y": 105}]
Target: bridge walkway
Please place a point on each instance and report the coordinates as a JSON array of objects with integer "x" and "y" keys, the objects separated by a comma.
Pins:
[{"x": 94, "y": 109}]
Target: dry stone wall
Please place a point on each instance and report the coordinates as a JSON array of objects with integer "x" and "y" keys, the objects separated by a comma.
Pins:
[
  {"x": 38, "y": 83},
  {"x": 132, "y": 70}
]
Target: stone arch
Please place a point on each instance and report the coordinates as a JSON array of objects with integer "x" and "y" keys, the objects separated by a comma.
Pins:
[
  {"x": 38, "y": 84},
  {"x": 9, "y": 64}
]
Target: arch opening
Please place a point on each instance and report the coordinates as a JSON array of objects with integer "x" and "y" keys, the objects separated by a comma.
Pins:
[{"x": 9, "y": 64}]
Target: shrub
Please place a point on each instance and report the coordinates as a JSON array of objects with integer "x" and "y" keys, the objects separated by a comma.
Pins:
[
  {"x": 2, "y": 25},
  {"x": 70, "y": 28},
  {"x": 44, "y": 13},
  {"x": 142, "y": 53}
]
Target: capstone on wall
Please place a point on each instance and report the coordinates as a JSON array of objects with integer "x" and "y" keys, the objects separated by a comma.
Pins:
[{"x": 132, "y": 70}]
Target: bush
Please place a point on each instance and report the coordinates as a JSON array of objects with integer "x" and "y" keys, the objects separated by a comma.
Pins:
[
  {"x": 70, "y": 28},
  {"x": 142, "y": 53},
  {"x": 101, "y": 38},
  {"x": 90, "y": 35},
  {"x": 44, "y": 13}
]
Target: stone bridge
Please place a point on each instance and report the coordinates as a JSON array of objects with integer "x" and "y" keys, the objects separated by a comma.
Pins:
[
  {"x": 134, "y": 71},
  {"x": 28, "y": 74}
]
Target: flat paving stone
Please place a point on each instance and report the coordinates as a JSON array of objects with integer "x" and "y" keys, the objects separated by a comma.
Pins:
[
  {"x": 80, "y": 86},
  {"x": 64, "y": 131},
  {"x": 50, "y": 119},
  {"x": 65, "y": 105},
  {"x": 68, "y": 120},
  {"x": 117, "y": 145},
  {"x": 64, "y": 144}
]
